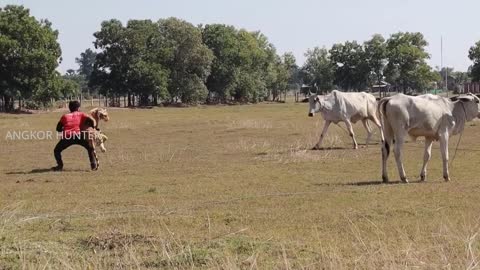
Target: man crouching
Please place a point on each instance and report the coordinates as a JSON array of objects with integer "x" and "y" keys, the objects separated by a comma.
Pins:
[{"x": 70, "y": 126}]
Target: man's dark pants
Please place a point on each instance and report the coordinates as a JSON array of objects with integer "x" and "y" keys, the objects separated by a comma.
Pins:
[{"x": 68, "y": 141}]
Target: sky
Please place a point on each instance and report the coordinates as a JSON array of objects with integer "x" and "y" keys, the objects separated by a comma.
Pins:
[{"x": 292, "y": 26}]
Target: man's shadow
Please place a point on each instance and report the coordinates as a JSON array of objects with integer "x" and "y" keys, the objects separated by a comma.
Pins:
[
  {"x": 37, "y": 171},
  {"x": 328, "y": 148}
]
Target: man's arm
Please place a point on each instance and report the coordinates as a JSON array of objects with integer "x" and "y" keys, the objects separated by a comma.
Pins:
[
  {"x": 89, "y": 122},
  {"x": 59, "y": 126}
]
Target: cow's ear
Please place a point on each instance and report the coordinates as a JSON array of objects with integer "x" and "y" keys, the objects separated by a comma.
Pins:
[{"x": 317, "y": 99}]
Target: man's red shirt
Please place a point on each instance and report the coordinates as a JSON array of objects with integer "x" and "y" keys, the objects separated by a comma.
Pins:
[{"x": 71, "y": 122}]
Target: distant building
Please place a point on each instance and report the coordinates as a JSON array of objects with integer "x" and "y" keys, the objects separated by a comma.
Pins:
[
  {"x": 382, "y": 87},
  {"x": 471, "y": 87}
]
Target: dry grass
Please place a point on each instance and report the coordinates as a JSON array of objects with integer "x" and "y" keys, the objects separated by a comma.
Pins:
[{"x": 232, "y": 187}]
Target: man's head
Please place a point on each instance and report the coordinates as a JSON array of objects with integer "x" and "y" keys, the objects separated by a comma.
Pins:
[{"x": 74, "y": 106}]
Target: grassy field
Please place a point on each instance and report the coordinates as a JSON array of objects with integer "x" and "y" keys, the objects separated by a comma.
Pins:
[{"x": 232, "y": 187}]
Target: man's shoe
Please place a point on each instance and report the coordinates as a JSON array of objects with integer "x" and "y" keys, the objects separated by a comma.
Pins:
[{"x": 57, "y": 168}]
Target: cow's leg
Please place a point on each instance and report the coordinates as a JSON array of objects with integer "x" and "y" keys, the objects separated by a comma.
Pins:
[
  {"x": 324, "y": 131},
  {"x": 350, "y": 131},
  {"x": 444, "y": 150},
  {"x": 387, "y": 143},
  {"x": 89, "y": 145},
  {"x": 399, "y": 140},
  {"x": 426, "y": 158},
  {"x": 386, "y": 146},
  {"x": 369, "y": 131}
]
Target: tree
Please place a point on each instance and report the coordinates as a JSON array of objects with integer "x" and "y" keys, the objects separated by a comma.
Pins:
[
  {"x": 455, "y": 79},
  {"x": 224, "y": 43},
  {"x": 188, "y": 60},
  {"x": 318, "y": 70},
  {"x": 85, "y": 63},
  {"x": 68, "y": 87},
  {"x": 130, "y": 61},
  {"x": 286, "y": 69},
  {"x": 245, "y": 67},
  {"x": 406, "y": 66},
  {"x": 350, "y": 65},
  {"x": 29, "y": 54},
  {"x": 376, "y": 54},
  {"x": 283, "y": 68},
  {"x": 58, "y": 87},
  {"x": 461, "y": 77},
  {"x": 423, "y": 76},
  {"x": 474, "y": 55}
]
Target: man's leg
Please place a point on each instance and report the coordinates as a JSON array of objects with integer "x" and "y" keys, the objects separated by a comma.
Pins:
[
  {"x": 92, "y": 156},
  {"x": 57, "y": 152}
]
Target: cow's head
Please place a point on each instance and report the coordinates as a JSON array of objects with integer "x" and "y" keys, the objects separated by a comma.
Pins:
[
  {"x": 470, "y": 104},
  {"x": 314, "y": 102},
  {"x": 100, "y": 114}
]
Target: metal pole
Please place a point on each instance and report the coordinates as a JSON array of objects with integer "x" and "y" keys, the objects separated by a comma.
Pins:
[
  {"x": 441, "y": 55},
  {"x": 446, "y": 68}
]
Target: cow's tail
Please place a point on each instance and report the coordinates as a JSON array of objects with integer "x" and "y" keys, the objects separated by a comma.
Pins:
[
  {"x": 386, "y": 126},
  {"x": 382, "y": 109}
]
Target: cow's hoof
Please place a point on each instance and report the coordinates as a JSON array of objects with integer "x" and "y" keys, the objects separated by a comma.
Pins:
[
  {"x": 316, "y": 147},
  {"x": 423, "y": 178},
  {"x": 94, "y": 167},
  {"x": 355, "y": 147},
  {"x": 447, "y": 179},
  {"x": 404, "y": 180}
]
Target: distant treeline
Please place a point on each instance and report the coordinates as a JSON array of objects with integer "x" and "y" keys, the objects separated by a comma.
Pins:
[{"x": 173, "y": 61}]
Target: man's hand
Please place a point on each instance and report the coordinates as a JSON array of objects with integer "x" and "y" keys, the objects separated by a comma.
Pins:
[{"x": 89, "y": 122}]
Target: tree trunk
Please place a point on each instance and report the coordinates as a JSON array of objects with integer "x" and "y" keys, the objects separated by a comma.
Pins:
[{"x": 7, "y": 103}]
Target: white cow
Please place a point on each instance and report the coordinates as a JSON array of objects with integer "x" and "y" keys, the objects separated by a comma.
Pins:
[
  {"x": 429, "y": 116},
  {"x": 345, "y": 107}
]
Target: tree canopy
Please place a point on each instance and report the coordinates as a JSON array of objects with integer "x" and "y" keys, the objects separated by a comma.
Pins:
[
  {"x": 172, "y": 60},
  {"x": 318, "y": 70},
  {"x": 29, "y": 55},
  {"x": 351, "y": 66},
  {"x": 474, "y": 55}
]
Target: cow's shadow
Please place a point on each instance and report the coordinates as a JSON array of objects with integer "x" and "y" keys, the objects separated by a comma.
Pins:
[
  {"x": 380, "y": 182},
  {"x": 372, "y": 183},
  {"x": 369, "y": 183},
  {"x": 360, "y": 145}
]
